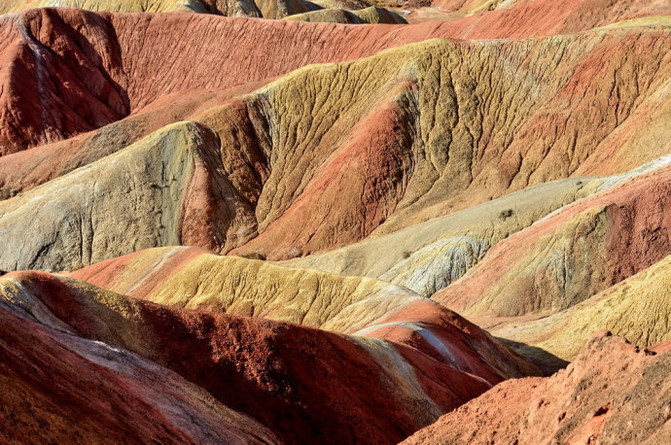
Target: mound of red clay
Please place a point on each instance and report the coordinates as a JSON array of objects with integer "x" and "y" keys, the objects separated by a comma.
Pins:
[{"x": 613, "y": 393}]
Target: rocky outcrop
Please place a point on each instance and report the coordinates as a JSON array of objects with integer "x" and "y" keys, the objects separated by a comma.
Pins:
[{"x": 613, "y": 393}]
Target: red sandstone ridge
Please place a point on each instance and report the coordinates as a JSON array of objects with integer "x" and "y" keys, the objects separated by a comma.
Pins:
[
  {"x": 613, "y": 393},
  {"x": 304, "y": 385},
  {"x": 58, "y": 387},
  {"x": 390, "y": 143}
]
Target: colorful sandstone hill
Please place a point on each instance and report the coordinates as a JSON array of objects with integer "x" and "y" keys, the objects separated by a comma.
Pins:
[{"x": 342, "y": 221}]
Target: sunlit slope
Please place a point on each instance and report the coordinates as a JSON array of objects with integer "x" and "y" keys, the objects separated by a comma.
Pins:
[
  {"x": 434, "y": 136},
  {"x": 428, "y": 256},
  {"x": 571, "y": 255},
  {"x": 122, "y": 203},
  {"x": 110, "y": 72},
  {"x": 599, "y": 263},
  {"x": 638, "y": 309},
  {"x": 514, "y": 18},
  {"x": 194, "y": 279}
]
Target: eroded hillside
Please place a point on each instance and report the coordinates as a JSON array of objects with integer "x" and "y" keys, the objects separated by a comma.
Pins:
[{"x": 216, "y": 227}]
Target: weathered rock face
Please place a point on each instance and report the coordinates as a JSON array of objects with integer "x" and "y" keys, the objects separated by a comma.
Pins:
[
  {"x": 195, "y": 279},
  {"x": 613, "y": 393},
  {"x": 574, "y": 253},
  {"x": 49, "y": 41},
  {"x": 49, "y": 96},
  {"x": 304, "y": 385},
  {"x": 270, "y": 9},
  {"x": 429, "y": 256},
  {"x": 569, "y": 265},
  {"x": 90, "y": 210}
]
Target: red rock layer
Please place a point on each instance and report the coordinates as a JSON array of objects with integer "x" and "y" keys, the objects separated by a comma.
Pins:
[
  {"x": 423, "y": 325},
  {"x": 376, "y": 155},
  {"x": 27, "y": 169},
  {"x": 637, "y": 235},
  {"x": 58, "y": 388}
]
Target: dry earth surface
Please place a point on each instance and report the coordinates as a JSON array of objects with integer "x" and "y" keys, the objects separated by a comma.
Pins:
[{"x": 341, "y": 221}]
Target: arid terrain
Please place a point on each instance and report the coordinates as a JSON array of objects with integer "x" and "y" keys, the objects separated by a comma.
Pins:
[{"x": 335, "y": 222}]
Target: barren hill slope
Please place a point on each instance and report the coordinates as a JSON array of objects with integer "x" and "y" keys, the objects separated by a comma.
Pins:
[
  {"x": 572, "y": 254},
  {"x": 93, "y": 392},
  {"x": 239, "y": 230},
  {"x": 515, "y": 18},
  {"x": 428, "y": 256},
  {"x": 195, "y": 279},
  {"x": 95, "y": 68},
  {"x": 636, "y": 309}
]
